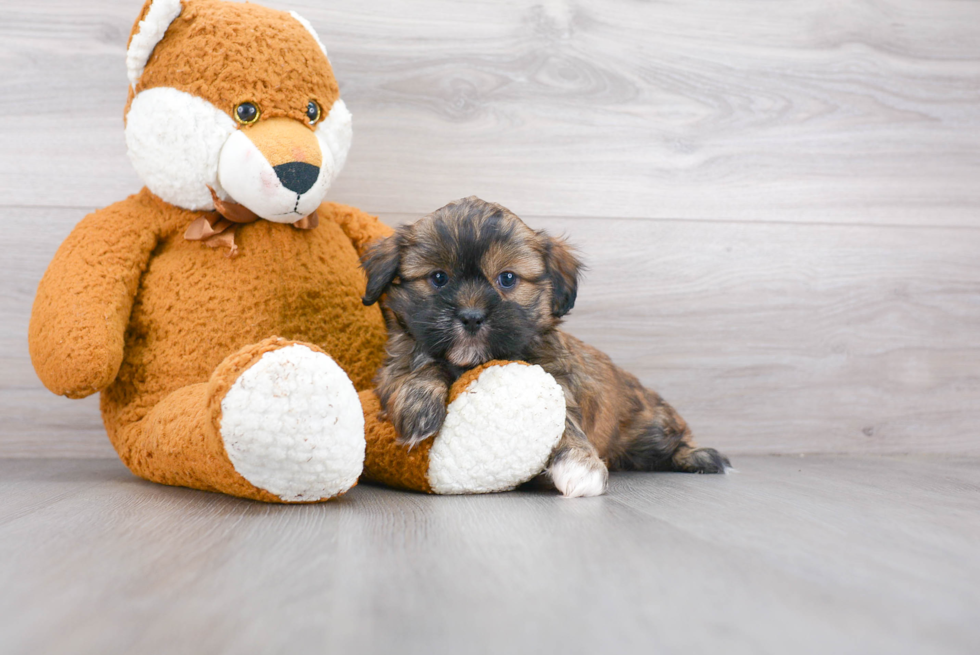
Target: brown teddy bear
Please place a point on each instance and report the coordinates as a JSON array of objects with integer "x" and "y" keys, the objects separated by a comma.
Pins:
[{"x": 218, "y": 310}]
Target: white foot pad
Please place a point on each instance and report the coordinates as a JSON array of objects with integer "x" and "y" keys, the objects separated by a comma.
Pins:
[
  {"x": 499, "y": 433},
  {"x": 293, "y": 425}
]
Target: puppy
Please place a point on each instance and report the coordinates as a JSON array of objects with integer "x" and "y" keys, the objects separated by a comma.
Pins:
[{"x": 470, "y": 283}]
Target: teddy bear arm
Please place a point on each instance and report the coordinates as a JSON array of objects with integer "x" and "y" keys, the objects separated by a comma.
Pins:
[
  {"x": 84, "y": 299},
  {"x": 360, "y": 227}
]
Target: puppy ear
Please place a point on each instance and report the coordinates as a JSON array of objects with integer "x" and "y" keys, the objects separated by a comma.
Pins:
[
  {"x": 380, "y": 261},
  {"x": 562, "y": 267}
]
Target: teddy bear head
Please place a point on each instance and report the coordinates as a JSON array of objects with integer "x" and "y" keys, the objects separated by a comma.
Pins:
[{"x": 234, "y": 98}]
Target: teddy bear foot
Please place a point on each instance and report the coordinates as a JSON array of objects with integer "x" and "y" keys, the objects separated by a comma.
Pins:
[
  {"x": 499, "y": 431},
  {"x": 292, "y": 424}
]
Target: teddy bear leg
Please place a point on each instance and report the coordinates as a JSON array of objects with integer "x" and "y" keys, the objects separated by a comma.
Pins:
[
  {"x": 279, "y": 421},
  {"x": 502, "y": 423}
]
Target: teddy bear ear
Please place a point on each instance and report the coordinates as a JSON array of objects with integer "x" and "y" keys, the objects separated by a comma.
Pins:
[
  {"x": 147, "y": 33},
  {"x": 309, "y": 28}
]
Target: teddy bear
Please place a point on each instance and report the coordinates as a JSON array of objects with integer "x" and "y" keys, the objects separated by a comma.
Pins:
[{"x": 218, "y": 310}]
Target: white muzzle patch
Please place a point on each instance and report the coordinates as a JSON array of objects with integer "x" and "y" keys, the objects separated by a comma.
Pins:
[
  {"x": 174, "y": 139},
  {"x": 249, "y": 179},
  {"x": 181, "y": 144}
]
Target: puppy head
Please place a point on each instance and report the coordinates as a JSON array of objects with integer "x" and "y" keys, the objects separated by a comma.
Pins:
[{"x": 471, "y": 282}]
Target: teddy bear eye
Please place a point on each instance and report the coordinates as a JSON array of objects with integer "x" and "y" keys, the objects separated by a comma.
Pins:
[
  {"x": 313, "y": 112},
  {"x": 247, "y": 113}
]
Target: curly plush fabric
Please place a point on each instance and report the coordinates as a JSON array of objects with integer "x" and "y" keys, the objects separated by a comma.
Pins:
[
  {"x": 503, "y": 421},
  {"x": 217, "y": 51},
  {"x": 292, "y": 425}
]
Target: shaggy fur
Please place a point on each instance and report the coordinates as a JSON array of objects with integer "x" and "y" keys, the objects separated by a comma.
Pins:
[{"x": 470, "y": 283}]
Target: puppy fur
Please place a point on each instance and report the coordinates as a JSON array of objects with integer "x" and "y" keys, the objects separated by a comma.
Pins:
[{"x": 470, "y": 283}]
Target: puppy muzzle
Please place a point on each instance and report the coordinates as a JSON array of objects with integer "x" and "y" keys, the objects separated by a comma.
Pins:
[{"x": 472, "y": 319}]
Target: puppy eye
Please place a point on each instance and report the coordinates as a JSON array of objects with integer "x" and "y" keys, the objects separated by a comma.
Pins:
[
  {"x": 507, "y": 280},
  {"x": 439, "y": 278},
  {"x": 313, "y": 112},
  {"x": 247, "y": 113}
]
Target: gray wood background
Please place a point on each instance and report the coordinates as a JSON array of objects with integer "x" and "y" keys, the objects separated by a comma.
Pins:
[{"x": 779, "y": 201}]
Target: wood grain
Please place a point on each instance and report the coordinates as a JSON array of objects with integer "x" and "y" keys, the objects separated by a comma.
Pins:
[
  {"x": 863, "y": 111},
  {"x": 779, "y": 338},
  {"x": 34, "y": 421},
  {"x": 814, "y": 555}
]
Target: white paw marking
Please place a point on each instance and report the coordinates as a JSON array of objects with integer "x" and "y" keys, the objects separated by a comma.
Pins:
[
  {"x": 292, "y": 424},
  {"x": 576, "y": 478}
]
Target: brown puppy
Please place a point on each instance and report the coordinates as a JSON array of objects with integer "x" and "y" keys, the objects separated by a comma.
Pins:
[{"x": 470, "y": 283}]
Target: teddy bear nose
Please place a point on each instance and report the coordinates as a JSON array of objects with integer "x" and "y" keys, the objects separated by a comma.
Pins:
[{"x": 297, "y": 176}]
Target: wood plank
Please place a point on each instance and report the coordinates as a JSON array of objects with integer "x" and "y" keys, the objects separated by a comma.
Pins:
[
  {"x": 814, "y": 555},
  {"x": 780, "y": 338},
  {"x": 769, "y": 338},
  {"x": 34, "y": 421},
  {"x": 865, "y": 111}
]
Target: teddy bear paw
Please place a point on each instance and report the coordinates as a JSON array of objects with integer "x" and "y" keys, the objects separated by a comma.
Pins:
[
  {"x": 499, "y": 432},
  {"x": 292, "y": 424}
]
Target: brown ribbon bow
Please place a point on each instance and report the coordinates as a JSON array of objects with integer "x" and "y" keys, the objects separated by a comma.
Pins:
[{"x": 218, "y": 229}]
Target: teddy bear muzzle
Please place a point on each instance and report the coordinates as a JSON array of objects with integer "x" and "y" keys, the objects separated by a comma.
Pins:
[{"x": 276, "y": 169}]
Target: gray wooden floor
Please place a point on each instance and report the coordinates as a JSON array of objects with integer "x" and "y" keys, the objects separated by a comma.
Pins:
[{"x": 789, "y": 555}]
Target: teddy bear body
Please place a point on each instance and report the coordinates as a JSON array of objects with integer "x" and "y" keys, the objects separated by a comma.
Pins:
[
  {"x": 190, "y": 307},
  {"x": 218, "y": 311}
]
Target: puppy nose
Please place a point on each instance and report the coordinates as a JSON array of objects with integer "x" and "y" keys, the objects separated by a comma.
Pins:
[
  {"x": 472, "y": 319},
  {"x": 297, "y": 176}
]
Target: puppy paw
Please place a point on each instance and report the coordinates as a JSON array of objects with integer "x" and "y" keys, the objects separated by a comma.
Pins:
[
  {"x": 421, "y": 419},
  {"x": 579, "y": 474},
  {"x": 701, "y": 460}
]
